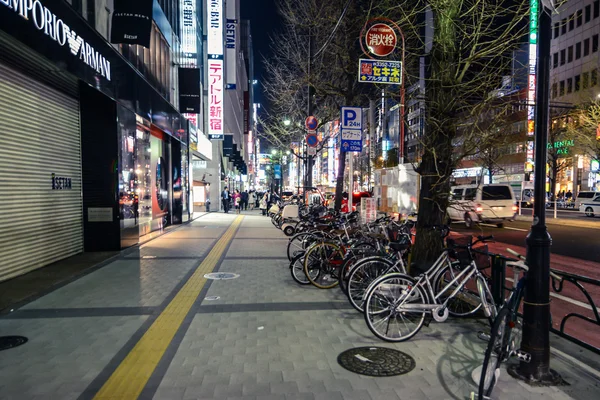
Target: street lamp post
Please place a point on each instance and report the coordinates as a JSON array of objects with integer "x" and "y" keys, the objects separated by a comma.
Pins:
[{"x": 536, "y": 305}]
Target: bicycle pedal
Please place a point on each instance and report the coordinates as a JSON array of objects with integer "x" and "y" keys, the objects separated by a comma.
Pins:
[
  {"x": 522, "y": 356},
  {"x": 483, "y": 336}
]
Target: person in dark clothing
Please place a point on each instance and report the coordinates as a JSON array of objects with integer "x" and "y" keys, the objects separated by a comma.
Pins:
[
  {"x": 226, "y": 199},
  {"x": 244, "y": 203}
]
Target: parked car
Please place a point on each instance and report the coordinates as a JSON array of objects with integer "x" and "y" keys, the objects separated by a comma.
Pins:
[
  {"x": 585, "y": 197},
  {"x": 590, "y": 206},
  {"x": 482, "y": 203}
]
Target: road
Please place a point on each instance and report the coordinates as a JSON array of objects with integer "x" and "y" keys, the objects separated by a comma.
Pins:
[
  {"x": 575, "y": 250},
  {"x": 570, "y": 241}
]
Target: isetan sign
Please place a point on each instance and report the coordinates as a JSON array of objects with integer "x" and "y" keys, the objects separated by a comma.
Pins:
[{"x": 48, "y": 23}]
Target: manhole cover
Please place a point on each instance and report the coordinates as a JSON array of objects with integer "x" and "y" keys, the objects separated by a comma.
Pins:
[
  {"x": 8, "y": 342},
  {"x": 212, "y": 298},
  {"x": 221, "y": 275},
  {"x": 376, "y": 361}
]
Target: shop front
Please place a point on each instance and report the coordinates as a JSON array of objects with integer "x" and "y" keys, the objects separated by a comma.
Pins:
[{"x": 92, "y": 155}]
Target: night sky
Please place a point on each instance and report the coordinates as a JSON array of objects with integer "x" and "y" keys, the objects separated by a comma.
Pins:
[{"x": 264, "y": 22}]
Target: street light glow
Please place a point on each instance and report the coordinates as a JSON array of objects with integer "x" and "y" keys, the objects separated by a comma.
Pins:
[
  {"x": 273, "y": 151},
  {"x": 287, "y": 122}
]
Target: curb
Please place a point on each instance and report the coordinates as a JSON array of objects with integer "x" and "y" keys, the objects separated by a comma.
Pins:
[{"x": 562, "y": 222}]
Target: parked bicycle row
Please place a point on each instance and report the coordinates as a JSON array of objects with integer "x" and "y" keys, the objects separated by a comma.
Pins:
[{"x": 369, "y": 263}]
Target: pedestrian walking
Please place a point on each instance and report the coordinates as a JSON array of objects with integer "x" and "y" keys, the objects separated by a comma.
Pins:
[
  {"x": 263, "y": 204},
  {"x": 252, "y": 199},
  {"x": 237, "y": 199},
  {"x": 244, "y": 204},
  {"x": 225, "y": 199}
]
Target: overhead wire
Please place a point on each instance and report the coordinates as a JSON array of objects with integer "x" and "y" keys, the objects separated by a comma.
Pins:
[{"x": 337, "y": 25}]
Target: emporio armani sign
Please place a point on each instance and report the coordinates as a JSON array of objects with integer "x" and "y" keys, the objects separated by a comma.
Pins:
[{"x": 45, "y": 20}]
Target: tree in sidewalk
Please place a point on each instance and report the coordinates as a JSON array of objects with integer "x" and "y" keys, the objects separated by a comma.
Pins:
[
  {"x": 471, "y": 49},
  {"x": 329, "y": 31},
  {"x": 584, "y": 127}
]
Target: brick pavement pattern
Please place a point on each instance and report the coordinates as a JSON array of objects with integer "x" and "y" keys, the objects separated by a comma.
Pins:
[{"x": 265, "y": 337}]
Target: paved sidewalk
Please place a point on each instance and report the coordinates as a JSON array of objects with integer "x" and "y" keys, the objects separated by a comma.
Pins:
[{"x": 257, "y": 336}]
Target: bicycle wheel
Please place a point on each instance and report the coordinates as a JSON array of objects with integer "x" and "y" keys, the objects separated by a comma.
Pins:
[
  {"x": 466, "y": 301},
  {"x": 495, "y": 353},
  {"x": 362, "y": 275},
  {"x": 385, "y": 298},
  {"x": 299, "y": 243},
  {"x": 353, "y": 257},
  {"x": 322, "y": 264},
  {"x": 297, "y": 269}
]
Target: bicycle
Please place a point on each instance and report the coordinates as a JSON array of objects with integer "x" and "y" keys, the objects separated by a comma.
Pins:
[
  {"x": 401, "y": 299},
  {"x": 502, "y": 343}
]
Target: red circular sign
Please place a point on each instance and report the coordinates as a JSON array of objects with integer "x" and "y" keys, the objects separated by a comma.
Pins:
[
  {"x": 311, "y": 123},
  {"x": 381, "y": 39}
]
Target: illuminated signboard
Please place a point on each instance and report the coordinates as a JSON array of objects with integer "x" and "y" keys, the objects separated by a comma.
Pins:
[
  {"x": 215, "y": 68},
  {"x": 531, "y": 81},
  {"x": 189, "y": 46}
]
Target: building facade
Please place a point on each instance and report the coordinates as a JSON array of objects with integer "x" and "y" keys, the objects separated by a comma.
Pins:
[
  {"x": 574, "y": 79},
  {"x": 96, "y": 152}
]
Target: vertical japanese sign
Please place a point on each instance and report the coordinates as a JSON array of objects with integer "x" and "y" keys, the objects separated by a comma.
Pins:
[
  {"x": 215, "y": 68},
  {"x": 231, "y": 44},
  {"x": 531, "y": 82},
  {"x": 215, "y": 99}
]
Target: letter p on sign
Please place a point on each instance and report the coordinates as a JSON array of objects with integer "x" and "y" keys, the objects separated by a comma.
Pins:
[{"x": 352, "y": 117}]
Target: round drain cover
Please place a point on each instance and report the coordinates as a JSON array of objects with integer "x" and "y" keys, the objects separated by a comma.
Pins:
[
  {"x": 221, "y": 275},
  {"x": 8, "y": 342},
  {"x": 376, "y": 361}
]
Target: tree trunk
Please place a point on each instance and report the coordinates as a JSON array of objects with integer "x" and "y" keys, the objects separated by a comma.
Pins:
[
  {"x": 433, "y": 202},
  {"x": 339, "y": 184}
]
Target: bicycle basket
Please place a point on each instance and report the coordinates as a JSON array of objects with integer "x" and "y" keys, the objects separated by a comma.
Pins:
[{"x": 457, "y": 249}]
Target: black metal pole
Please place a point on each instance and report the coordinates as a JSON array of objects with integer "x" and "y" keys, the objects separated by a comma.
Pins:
[{"x": 536, "y": 305}]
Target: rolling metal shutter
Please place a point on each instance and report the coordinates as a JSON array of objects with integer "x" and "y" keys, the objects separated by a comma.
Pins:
[{"x": 39, "y": 136}]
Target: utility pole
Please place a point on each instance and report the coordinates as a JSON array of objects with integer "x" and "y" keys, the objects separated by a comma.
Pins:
[{"x": 536, "y": 305}]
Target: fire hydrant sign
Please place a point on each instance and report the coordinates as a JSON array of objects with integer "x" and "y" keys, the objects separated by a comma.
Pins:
[
  {"x": 380, "y": 71},
  {"x": 351, "y": 129},
  {"x": 381, "y": 40}
]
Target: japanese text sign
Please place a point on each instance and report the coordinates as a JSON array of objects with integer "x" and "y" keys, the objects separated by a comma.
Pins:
[
  {"x": 351, "y": 129},
  {"x": 215, "y": 98},
  {"x": 380, "y": 71}
]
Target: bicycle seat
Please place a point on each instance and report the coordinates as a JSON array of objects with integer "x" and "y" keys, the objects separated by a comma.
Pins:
[
  {"x": 399, "y": 246},
  {"x": 377, "y": 236}
]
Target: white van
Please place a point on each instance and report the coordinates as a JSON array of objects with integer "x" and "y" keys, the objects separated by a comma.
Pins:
[
  {"x": 482, "y": 203},
  {"x": 583, "y": 197}
]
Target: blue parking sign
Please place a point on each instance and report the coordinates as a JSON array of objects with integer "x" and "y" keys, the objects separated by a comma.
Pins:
[{"x": 351, "y": 129}]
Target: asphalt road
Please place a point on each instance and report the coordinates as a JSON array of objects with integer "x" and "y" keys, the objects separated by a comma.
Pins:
[{"x": 570, "y": 241}]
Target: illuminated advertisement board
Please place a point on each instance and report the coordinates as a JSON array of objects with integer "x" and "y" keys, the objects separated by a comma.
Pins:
[{"x": 215, "y": 68}]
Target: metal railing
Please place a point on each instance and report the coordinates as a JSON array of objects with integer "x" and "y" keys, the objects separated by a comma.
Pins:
[
  {"x": 577, "y": 281},
  {"x": 499, "y": 288}
]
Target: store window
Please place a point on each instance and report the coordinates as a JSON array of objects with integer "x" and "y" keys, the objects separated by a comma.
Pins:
[
  {"x": 569, "y": 85},
  {"x": 594, "y": 43},
  {"x": 577, "y": 82},
  {"x": 554, "y": 90},
  {"x": 578, "y": 50},
  {"x": 555, "y": 60},
  {"x": 563, "y": 57},
  {"x": 594, "y": 77},
  {"x": 585, "y": 80}
]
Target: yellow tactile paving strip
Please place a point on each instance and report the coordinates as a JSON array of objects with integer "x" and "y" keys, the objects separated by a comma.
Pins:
[{"x": 131, "y": 376}]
